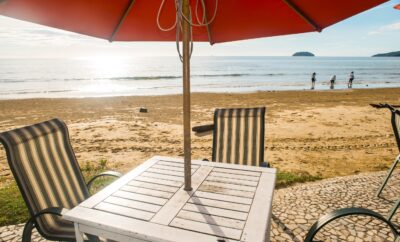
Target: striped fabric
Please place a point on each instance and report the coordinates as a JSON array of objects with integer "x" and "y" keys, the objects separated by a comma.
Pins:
[
  {"x": 396, "y": 126},
  {"x": 238, "y": 136},
  {"x": 47, "y": 173}
]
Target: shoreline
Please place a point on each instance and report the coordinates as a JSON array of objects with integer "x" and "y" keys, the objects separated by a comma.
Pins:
[
  {"x": 202, "y": 93},
  {"x": 317, "y": 133}
]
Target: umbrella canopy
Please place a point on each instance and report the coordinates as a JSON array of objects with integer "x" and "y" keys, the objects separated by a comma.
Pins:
[
  {"x": 397, "y": 7},
  {"x": 214, "y": 21},
  {"x": 137, "y": 20}
]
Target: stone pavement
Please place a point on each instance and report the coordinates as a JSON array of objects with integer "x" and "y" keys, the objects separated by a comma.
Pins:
[{"x": 296, "y": 208}]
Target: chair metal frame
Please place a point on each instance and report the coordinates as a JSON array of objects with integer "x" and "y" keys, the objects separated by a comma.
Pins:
[
  {"x": 328, "y": 218},
  {"x": 396, "y": 131}
]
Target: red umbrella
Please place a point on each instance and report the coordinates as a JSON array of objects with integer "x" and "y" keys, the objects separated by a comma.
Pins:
[
  {"x": 137, "y": 20},
  {"x": 214, "y": 21},
  {"x": 397, "y": 7}
]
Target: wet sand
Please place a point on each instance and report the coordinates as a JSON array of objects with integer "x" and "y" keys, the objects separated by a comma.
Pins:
[{"x": 324, "y": 133}]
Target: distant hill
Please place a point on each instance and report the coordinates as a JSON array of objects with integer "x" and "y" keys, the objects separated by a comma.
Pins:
[
  {"x": 303, "y": 53},
  {"x": 389, "y": 54}
]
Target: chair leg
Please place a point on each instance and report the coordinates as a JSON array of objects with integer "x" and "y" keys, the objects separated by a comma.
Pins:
[
  {"x": 394, "y": 209},
  {"x": 27, "y": 233},
  {"x": 388, "y": 176}
]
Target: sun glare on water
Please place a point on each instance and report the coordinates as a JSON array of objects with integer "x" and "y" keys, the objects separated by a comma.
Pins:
[
  {"x": 104, "y": 71},
  {"x": 108, "y": 66}
]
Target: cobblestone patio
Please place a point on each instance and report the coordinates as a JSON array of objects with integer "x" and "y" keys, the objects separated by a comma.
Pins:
[{"x": 296, "y": 208}]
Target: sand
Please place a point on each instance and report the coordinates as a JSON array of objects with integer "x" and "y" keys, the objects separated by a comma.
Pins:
[{"x": 324, "y": 133}]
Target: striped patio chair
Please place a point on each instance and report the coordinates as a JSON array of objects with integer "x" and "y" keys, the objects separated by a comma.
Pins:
[
  {"x": 47, "y": 174},
  {"x": 395, "y": 120},
  {"x": 238, "y": 136}
]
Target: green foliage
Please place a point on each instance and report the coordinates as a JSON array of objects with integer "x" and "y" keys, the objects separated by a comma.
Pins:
[
  {"x": 285, "y": 179},
  {"x": 13, "y": 208},
  {"x": 103, "y": 164}
]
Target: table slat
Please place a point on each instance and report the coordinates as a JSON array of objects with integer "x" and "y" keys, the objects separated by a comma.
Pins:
[
  {"x": 207, "y": 228},
  {"x": 175, "y": 164},
  {"x": 171, "y": 168},
  {"x": 153, "y": 186},
  {"x": 215, "y": 211},
  {"x": 211, "y": 219},
  {"x": 161, "y": 176},
  {"x": 146, "y": 191},
  {"x": 229, "y": 186},
  {"x": 133, "y": 204},
  {"x": 205, "y": 187},
  {"x": 140, "y": 197},
  {"x": 159, "y": 181},
  {"x": 222, "y": 197},
  {"x": 167, "y": 172},
  {"x": 219, "y": 204},
  {"x": 237, "y": 171},
  {"x": 232, "y": 181},
  {"x": 125, "y": 211},
  {"x": 234, "y": 176}
]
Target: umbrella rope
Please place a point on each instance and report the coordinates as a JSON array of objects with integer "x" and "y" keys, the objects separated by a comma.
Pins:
[
  {"x": 203, "y": 22},
  {"x": 178, "y": 31},
  {"x": 200, "y": 23},
  {"x": 159, "y": 14}
]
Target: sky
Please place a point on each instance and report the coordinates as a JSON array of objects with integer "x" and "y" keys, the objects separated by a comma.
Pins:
[{"x": 374, "y": 31}]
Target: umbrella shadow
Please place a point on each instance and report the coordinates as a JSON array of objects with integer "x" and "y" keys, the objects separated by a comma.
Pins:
[
  {"x": 217, "y": 231},
  {"x": 285, "y": 228}
]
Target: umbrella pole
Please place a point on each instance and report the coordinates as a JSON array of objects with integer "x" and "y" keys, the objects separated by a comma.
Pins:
[{"x": 186, "y": 97}]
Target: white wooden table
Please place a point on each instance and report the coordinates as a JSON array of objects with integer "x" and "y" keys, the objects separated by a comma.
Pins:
[{"x": 228, "y": 203}]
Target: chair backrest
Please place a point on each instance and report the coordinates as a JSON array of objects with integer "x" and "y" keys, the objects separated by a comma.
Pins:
[
  {"x": 46, "y": 171},
  {"x": 238, "y": 136},
  {"x": 396, "y": 125}
]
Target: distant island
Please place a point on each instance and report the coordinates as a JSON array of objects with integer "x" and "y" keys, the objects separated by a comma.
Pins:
[
  {"x": 389, "y": 54},
  {"x": 303, "y": 53}
]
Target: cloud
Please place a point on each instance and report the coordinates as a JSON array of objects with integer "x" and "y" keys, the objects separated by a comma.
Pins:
[{"x": 386, "y": 28}]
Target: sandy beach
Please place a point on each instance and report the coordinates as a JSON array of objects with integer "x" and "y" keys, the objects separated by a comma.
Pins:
[{"x": 322, "y": 133}]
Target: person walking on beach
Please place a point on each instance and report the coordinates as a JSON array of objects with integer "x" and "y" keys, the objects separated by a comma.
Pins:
[
  {"x": 333, "y": 79},
  {"x": 313, "y": 79},
  {"x": 351, "y": 78}
]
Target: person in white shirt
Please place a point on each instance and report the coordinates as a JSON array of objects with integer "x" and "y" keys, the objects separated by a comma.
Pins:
[
  {"x": 351, "y": 78},
  {"x": 333, "y": 79}
]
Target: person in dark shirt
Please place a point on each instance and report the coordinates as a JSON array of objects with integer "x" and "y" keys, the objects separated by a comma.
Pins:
[
  {"x": 351, "y": 78},
  {"x": 333, "y": 79},
  {"x": 313, "y": 79}
]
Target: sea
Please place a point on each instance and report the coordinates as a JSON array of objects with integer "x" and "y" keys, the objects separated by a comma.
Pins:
[{"x": 104, "y": 77}]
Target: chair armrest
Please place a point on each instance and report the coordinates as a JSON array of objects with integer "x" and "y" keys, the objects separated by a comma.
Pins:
[
  {"x": 203, "y": 128},
  {"x": 326, "y": 219},
  {"x": 27, "y": 233},
  {"x": 384, "y": 105},
  {"x": 378, "y": 105},
  {"x": 106, "y": 173}
]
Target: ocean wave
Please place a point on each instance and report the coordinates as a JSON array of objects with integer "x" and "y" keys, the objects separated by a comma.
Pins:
[
  {"x": 36, "y": 92},
  {"x": 139, "y": 78}
]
